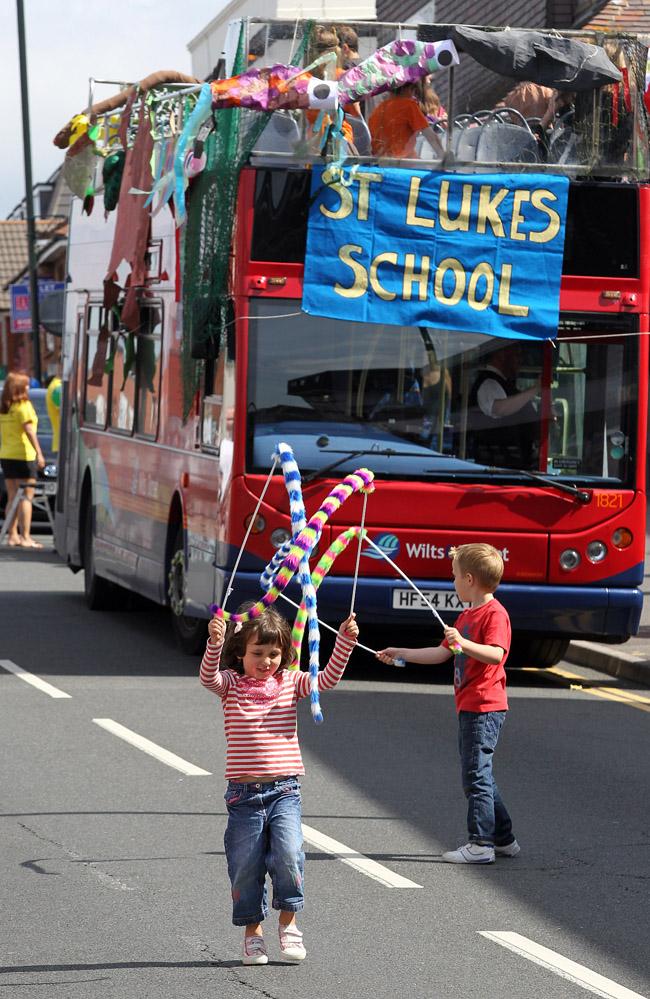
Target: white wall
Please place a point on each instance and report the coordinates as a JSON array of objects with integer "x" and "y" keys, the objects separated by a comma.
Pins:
[{"x": 206, "y": 47}]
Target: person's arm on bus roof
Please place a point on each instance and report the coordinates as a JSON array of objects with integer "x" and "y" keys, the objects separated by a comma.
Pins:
[{"x": 425, "y": 657}]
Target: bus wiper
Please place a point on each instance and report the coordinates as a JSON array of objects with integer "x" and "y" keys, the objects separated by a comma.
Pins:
[
  {"x": 548, "y": 480},
  {"x": 384, "y": 452}
]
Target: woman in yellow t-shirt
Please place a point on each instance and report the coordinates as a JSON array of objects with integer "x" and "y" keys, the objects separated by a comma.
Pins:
[{"x": 20, "y": 455}]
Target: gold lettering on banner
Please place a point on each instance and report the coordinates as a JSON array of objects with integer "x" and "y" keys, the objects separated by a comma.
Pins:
[
  {"x": 487, "y": 210},
  {"x": 365, "y": 180},
  {"x": 411, "y": 277},
  {"x": 455, "y": 266},
  {"x": 482, "y": 270},
  {"x": 377, "y": 287},
  {"x": 520, "y": 198},
  {"x": 505, "y": 308},
  {"x": 345, "y": 194},
  {"x": 461, "y": 222},
  {"x": 412, "y": 218},
  {"x": 537, "y": 201},
  {"x": 360, "y": 285}
]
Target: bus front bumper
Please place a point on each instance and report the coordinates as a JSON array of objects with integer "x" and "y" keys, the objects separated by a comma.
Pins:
[{"x": 588, "y": 612}]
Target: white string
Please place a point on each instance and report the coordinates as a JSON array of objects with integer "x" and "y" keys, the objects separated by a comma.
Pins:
[
  {"x": 323, "y": 624},
  {"x": 406, "y": 578},
  {"x": 356, "y": 568},
  {"x": 251, "y": 524},
  {"x": 293, "y": 42}
]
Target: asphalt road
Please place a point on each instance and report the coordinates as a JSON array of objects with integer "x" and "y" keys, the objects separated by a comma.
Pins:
[{"x": 113, "y": 874}]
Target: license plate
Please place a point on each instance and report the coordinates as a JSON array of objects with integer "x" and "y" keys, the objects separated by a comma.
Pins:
[
  {"x": 50, "y": 488},
  {"x": 442, "y": 600}
]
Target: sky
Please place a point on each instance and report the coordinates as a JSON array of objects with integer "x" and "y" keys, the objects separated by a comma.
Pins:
[{"x": 67, "y": 42}]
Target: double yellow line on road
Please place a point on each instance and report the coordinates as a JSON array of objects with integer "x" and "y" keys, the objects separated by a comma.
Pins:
[{"x": 582, "y": 683}]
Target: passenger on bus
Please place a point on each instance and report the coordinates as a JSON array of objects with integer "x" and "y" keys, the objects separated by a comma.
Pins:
[
  {"x": 503, "y": 423},
  {"x": 430, "y": 102},
  {"x": 348, "y": 46},
  {"x": 263, "y": 766},
  {"x": 396, "y": 123}
]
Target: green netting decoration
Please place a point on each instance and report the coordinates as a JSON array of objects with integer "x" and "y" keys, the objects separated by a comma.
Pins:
[{"x": 207, "y": 235}]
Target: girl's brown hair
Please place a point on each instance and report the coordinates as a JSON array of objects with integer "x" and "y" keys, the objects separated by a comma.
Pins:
[
  {"x": 15, "y": 389},
  {"x": 269, "y": 628}
]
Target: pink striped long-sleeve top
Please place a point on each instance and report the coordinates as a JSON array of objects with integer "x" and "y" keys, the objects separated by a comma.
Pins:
[{"x": 260, "y": 716}]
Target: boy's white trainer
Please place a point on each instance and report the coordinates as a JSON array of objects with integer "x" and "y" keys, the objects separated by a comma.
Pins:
[
  {"x": 291, "y": 944},
  {"x": 471, "y": 853},
  {"x": 510, "y": 850},
  {"x": 254, "y": 951}
]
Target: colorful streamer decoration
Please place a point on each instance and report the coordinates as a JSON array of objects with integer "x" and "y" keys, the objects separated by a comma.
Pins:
[{"x": 293, "y": 558}]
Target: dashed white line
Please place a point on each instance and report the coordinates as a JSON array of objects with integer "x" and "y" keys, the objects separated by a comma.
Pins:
[
  {"x": 559, "y": 965},
  {"x": 139, "y": 741},
  {"x": 22, "y": 674},
  {"x": 356, "y": 860}
]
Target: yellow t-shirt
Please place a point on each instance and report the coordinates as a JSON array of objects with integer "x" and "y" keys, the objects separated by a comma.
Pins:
[
  {"x": 53, "y": 403},
  {"x": 14, "y": 442}
]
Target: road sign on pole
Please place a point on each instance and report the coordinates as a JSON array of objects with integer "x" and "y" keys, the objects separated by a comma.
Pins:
[{"x": 21, "y": 316}]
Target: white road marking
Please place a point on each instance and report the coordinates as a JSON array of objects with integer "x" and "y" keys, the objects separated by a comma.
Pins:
[
  {"x": 139, "y": 741},
  {"x": 356, "y": 860},
  {"x": 35, "y": 681},
  {"x": 559, "y": 965}
]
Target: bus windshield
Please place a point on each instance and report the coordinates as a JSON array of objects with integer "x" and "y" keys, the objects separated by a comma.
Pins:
[{"x": 414, "y": 402}]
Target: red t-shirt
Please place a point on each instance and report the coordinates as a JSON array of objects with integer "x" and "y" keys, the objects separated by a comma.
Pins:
[{"x": 479, "y": 686}]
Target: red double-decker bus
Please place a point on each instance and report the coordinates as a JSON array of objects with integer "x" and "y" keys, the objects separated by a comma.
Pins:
[{"x": 156, "y": 501}]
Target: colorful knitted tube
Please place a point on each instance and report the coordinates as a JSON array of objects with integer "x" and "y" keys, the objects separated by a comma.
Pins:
[
  {"x": 293, "y": 558},
  {"x": 318, "y": 575}
]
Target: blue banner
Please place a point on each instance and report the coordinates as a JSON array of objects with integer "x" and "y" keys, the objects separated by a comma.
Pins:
[{"x": 478, "y": 253}]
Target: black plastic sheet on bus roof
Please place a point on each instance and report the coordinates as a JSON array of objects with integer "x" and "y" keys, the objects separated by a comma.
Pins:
[{"x": 550, "y": 60}]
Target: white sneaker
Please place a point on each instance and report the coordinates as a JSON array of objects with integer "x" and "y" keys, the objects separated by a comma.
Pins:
[
  {"x": 291, "y": 944},
  {"x": 511, "y": 850},
  {"x": 471, "y": 853},
  {"x": 254, "y": 951}
]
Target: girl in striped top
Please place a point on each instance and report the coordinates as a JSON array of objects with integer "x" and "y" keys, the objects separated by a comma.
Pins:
[{"x": 263, "y": 763}]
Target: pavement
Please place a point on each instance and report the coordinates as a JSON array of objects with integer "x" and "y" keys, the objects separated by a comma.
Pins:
[{"x": 631, "y": 660}]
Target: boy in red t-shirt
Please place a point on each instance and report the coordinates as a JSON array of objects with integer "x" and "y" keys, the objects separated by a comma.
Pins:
[{"x": 482, "y": 634}]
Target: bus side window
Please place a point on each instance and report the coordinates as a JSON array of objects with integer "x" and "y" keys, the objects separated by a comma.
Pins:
[
  {"x": 97, "y": 378},
  {"x": 218, "y": 404},
  {"x": 123, "y": 391},
  {"x": 148, "y": 372}
]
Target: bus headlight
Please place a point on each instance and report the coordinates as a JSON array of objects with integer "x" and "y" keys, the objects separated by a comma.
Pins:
[
  {"x": 622, "y": 538},
  {"x": 258, "y": 526},
  {"x": 596, "y": 551},
  {"x": 279, "y": 536},
  {"x": 569, "y": 559}
]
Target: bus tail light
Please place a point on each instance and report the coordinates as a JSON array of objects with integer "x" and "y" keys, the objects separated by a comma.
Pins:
[
  {"x": 569, "y": 559},
  {"x": 258, "y": 526},
  {"x": 596, "y": 551},
  {"x": 622, "y": 538}
]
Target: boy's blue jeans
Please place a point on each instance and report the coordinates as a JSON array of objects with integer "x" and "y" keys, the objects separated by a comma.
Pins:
[
  {"x": 264, "y": 833},
  {"x": 488, "y": 822}
]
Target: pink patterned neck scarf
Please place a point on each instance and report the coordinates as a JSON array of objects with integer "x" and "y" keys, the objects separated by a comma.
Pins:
[{"x": 260, "y": 691}]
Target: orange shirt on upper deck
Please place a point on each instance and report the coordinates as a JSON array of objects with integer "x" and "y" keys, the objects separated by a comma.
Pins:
[{"x": 394, "y": 126}]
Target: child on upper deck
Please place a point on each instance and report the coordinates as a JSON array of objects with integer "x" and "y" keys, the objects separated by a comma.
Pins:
[
  {"x": 396, "y": 123},
  {"x": 482, "y": 634}
]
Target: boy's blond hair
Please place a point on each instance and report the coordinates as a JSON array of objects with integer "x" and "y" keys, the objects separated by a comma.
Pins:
[{"x": 483, "y": 561}]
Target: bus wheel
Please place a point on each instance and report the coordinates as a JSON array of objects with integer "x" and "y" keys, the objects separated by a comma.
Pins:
[
  {"x": 190, "y": 632},
  {"x": 540, "y": 652},
  {"x": 100, "y": 593}
]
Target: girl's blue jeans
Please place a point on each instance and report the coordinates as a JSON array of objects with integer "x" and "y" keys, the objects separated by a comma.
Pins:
[
  {"x": 264, "y": 834},
  {"x": 488, "y": 822}
]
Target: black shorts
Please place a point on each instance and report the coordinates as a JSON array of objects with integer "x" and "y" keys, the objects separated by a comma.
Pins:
[{"x": 15, "y": 468}]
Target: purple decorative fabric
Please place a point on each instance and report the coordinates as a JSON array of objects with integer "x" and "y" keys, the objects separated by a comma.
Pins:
[{"x": 394, "y": 65}]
